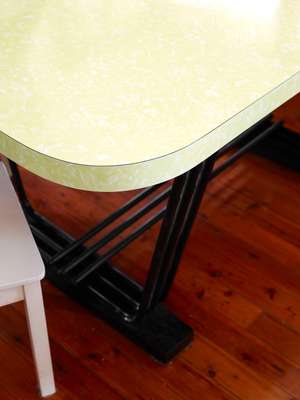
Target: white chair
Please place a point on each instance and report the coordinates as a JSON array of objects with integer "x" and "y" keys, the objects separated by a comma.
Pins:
[{"x": 21, "y": 271}]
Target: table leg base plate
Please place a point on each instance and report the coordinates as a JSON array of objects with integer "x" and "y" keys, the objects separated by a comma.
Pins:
[
  {"x": 160, "y": 333},
  {"x": 111, "y": 295}
]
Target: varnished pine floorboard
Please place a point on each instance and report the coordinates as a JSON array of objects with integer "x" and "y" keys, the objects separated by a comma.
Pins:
[{"x": 238, "y": 286}]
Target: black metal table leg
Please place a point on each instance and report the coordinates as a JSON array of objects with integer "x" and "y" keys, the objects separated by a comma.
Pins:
[
  {"x": 88, "y": 277},
  {"x": 84, "y": 271},
  {"x": 184, "y": 201},
  {"x": 18, "y": 185}
]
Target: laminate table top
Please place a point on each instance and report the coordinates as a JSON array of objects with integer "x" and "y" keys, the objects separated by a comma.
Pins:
[{"x": 115, "y": 95}]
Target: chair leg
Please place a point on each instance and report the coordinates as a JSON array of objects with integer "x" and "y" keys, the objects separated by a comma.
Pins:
[{"x": 39, "y": 337}]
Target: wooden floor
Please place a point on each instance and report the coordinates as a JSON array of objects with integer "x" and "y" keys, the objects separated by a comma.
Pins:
[{"x": 238, "y": 286}]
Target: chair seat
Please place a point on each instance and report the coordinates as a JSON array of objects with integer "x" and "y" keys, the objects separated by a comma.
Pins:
[{"x": 21, "y": 262}]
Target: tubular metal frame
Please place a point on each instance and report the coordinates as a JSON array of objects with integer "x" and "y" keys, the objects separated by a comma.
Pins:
[{"x": 87, "y": 275}]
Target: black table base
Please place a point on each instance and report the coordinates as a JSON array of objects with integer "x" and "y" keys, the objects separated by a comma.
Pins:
[
  {"x": 86, "y": 274},
  {"x": 283, "y": 147}
]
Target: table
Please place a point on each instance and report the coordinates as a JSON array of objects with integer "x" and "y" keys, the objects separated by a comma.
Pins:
[{"x": 119, "y": 95}]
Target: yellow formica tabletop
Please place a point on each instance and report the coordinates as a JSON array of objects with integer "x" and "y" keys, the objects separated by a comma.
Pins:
[{"x": 120, "y": 94}]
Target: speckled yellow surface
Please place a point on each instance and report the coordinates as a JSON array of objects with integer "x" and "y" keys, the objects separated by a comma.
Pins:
[{"x": 119, "y": 94}]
